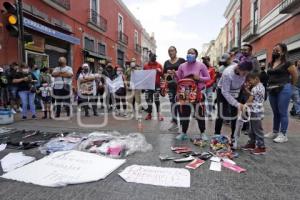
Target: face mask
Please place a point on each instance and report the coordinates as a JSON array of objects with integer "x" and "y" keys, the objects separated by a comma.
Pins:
[
  {"x": 26, "y": 71},
  {"x": 119, "y": 73},
  {"x": 275, "y": 55},
  {"x": 132, "y": 64},
  {"x": 191, "y": 58}
]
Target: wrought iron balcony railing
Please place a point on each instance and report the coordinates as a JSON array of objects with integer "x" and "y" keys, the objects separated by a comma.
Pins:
[
  {"x": 122, "y": 37},
  {"x": 249, "y": 31},
  {"x": 97, "y": 20}
]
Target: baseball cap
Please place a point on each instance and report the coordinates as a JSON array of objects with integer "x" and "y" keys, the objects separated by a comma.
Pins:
[{"x": 224, "y": 57}]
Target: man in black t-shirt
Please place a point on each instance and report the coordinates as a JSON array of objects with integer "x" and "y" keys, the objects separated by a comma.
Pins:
[{"x": 170, "y": 68}]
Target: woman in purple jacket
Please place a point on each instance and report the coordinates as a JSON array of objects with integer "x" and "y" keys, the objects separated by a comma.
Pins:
[{"x": 197, "y": 71}]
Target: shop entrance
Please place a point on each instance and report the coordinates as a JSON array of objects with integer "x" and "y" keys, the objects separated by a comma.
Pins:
[{"x": 40, "y": 59}]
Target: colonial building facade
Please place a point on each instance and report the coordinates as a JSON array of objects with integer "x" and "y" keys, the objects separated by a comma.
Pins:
[{"x": 93, "y": 31}]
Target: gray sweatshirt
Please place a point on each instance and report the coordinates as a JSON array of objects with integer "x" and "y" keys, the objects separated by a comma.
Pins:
[{"x": 231, "y": 84}]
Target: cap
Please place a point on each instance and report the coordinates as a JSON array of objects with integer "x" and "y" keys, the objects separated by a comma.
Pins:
[
  {"x": 246, "y": 65},
  {"x": 224, "y": 57}
]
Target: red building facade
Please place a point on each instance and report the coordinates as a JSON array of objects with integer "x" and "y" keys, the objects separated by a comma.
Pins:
[
  {"x": 266, "y": 23},
  {"x": 93, "y": 31}
]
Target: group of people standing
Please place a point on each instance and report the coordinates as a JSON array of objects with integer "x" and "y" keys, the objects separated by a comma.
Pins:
[{"x": 240, "y": 83}]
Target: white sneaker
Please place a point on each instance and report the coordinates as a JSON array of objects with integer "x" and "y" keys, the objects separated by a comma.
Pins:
[
  {"x": 20, "y": 109},
  {"x": 13, "y": 111},
  {"x": 271, "y": 135},
  {"x": 281, "y": 138}
]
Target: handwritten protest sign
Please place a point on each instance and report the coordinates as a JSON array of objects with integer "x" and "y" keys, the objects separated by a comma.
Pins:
[
  {"x": 63, "y": 168},
  {"x": 143, "y": 79},
  {"x": 168, "y": 177}
]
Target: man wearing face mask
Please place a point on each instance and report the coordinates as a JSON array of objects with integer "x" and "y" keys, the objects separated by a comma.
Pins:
[
  {"x": 110, "y": 73},
  {"x": 87, "y": 90},
  {"x": 247, "y": 54},
  {"x": 62, "y": 86},
  {"x": 132, "y": 93},
  {"x": 150, "y": 94}
]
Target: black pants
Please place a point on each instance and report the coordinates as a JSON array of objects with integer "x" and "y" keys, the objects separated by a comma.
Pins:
[
  {"x": 150, "y": 96},
  {"x": 87, "y": 101},
  {"x": 185, "y": 112},
  {"x": 62, "y": 98},
  {"x": 120, "y": 100},
  {"x": 174, "y": 108},
  {"x": 225, "y": 112}
]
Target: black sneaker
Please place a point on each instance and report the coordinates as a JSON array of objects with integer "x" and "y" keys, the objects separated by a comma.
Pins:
[
  {"x": 33, "y": 117},
  {"x": 24, "y": 118}
]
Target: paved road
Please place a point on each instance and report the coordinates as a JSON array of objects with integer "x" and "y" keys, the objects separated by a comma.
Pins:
[{"x": 273, "y": 176}]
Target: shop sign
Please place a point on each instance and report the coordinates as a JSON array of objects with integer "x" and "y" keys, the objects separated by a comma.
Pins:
[
  {"x": 49, "y": 31},
  {"x": 88, "y": 59},
  {"x": 37, "y": 44}
]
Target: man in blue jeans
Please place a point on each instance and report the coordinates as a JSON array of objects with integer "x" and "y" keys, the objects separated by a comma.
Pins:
[{"x": 296, "y": 94}]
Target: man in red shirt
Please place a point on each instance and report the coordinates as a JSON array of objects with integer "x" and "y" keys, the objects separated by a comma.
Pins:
[{"x": 153, "y": 64}]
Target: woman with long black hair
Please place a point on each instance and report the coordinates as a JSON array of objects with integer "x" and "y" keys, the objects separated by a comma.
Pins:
[
  {"x": 282, "y": 75},
  {"x": 170, "y": 68}
]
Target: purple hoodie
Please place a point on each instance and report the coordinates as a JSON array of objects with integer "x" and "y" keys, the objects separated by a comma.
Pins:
[{"x": 186, "y": 69}]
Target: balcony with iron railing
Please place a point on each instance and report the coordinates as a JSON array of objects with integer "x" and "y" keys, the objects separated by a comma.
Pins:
[
  {"x": 138, "y": 48},
  {"x": 61, "y": 5},
  {"x": 122, "y": 37},
  {"x": 97, "y": 21},
  {"x": 289, "y": 6},
  {"x": 249, "y": 31}
]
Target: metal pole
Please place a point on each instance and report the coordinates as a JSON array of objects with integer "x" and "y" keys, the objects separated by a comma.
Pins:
[
  {"x": 241, "y": 20},
  {"x": 21, "y": 31}
]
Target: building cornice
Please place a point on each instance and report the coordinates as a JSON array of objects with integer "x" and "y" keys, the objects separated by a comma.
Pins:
[{"x": 229, "y": 9}]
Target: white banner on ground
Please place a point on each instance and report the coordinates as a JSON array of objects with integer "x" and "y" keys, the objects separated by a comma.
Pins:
[
  {"x": 13, "y": 161},
  {"x": 63, "y": 168},
  {"x": 116, "y": 84},
  {"x": 143, "y": 79},
  {"x": 168, "y": 177}
]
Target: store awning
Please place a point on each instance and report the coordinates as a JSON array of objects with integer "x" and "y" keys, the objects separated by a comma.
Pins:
[{"x": 49, "y": 31}]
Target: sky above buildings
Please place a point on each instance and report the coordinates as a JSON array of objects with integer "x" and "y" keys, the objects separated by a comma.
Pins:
[{"x": 182, "y": 23}]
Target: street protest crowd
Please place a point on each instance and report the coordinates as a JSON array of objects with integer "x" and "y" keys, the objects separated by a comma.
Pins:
[{"x": 240, "y": 83}]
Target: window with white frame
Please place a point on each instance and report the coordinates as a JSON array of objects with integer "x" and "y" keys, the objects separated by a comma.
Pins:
[
  {"x": 120, "y": 23},
  {"x": 136, "y": 37}
]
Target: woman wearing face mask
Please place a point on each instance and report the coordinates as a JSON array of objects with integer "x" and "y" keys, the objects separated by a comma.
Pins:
[
  {"x": 170, "y": 69},
  {"x": 282, "y": 75},
  {"x": 198, "y": 72},
  {"x": 87, "y": 90},
  {"x": 26, "y": 90},
  {"x": 120, "y": 96}
]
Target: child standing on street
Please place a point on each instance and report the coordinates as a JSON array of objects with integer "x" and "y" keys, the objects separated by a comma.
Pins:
[
  {"x": 45, "y": 91},
  {"x": 256, "y": 143}
]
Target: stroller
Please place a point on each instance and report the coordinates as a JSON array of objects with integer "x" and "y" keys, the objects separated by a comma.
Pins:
[{"x": 187, "y": 92}]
